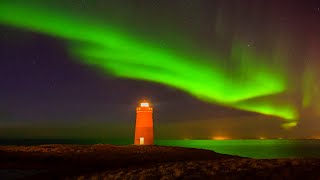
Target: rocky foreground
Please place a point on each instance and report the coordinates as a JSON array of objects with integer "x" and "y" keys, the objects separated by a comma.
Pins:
[
  {"x": 218, "y": 169},
  {"x": 143, "y": 162}
]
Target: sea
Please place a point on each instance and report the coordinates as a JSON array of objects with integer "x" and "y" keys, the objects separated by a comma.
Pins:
[{"x": 261, "y": 149}]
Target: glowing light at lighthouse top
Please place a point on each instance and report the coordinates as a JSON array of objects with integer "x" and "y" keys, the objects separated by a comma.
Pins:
[{"x": 144, "y": 104}]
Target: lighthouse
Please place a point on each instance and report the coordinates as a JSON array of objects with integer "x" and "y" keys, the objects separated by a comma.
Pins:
[{"x": 144, "y": 124}]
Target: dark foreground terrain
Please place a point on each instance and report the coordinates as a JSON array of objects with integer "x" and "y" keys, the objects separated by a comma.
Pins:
[{"x": 143, "y": 162}]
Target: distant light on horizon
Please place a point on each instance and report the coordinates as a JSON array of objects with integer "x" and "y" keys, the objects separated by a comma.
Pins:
[
  {"x": 220, "y": 138},
  {"x": 315, "y": 137}
]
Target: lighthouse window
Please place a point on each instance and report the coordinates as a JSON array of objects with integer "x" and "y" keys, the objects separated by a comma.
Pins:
[{"x": 144, "y": 104}]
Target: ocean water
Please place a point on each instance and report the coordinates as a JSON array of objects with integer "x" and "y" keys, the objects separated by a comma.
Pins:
[
  {"x": 266, "y": 149},
  {"x": 262, "y": 149}
]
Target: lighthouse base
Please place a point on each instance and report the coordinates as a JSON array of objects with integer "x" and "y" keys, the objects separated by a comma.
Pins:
[{"x": 143, "y": 136}]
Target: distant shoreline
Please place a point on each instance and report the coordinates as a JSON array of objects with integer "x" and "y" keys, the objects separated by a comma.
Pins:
[
  {"x": 39, "y": 141},
  {"x": 253, "y": 148}
]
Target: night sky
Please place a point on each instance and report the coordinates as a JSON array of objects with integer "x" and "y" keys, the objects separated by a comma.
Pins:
[{"x": 238, "y": 68}]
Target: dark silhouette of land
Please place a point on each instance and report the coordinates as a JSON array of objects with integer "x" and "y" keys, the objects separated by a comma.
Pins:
[{"x": 143, "y": 162}]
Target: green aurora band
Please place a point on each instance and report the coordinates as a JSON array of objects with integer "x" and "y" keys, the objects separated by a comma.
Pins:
[{"x": 122, "y": 55}]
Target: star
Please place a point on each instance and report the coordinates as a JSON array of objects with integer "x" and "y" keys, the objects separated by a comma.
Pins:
[{"x": 34, "y": 61}]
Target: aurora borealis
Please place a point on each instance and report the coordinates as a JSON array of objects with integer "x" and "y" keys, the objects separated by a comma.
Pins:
[{"x": 230, "y": 55}]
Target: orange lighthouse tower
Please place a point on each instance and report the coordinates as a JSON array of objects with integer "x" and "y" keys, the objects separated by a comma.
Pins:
[{"x": 144, "y": 125}]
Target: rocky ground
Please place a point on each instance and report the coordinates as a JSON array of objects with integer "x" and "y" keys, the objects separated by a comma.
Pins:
[
  {"x": 218, "y": 169},
  {"x": 143, "y": 162}
]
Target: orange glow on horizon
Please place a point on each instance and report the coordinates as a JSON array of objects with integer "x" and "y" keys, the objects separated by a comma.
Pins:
[
  {"x": 315, "y": 137},
  {"x": 220, "y": 138}
]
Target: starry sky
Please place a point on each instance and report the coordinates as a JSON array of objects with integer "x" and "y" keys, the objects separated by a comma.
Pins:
[{"x": 238, "y": 68}]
